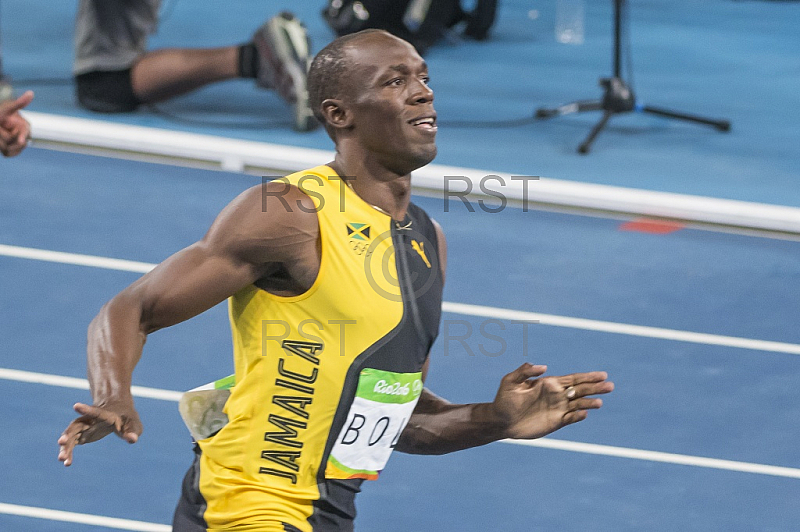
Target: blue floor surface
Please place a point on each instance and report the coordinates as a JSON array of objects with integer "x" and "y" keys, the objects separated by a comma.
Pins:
[
  {"x": 722, "y": 58},
  {"x": 676, "y": 397}
]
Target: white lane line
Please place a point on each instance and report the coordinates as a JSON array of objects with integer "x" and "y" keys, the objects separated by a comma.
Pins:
[
  {"x": 82, "y": 384},
  {"x": 656, "y": 456},
  {"x": 457, "y": 308},
  {"x": 75, "y": 258},
  {"x": 83, "y": 519},
  {"x": 621, "y": 328},
  {"x": 564, "y": 445}
]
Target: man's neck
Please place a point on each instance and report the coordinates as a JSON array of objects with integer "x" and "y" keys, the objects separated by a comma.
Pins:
[{"x": 380, "y": 187}]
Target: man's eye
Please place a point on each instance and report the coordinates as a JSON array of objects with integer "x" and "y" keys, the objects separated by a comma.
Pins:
[
  {"x": 397, "y": 81},
  {"x": 426, "y": 80}
]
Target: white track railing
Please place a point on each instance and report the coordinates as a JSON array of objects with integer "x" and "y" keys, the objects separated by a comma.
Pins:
[{"x": 262, "y": 158}]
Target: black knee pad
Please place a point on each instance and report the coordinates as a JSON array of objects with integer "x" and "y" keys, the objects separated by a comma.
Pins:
[{"x": 107, "y": 92}]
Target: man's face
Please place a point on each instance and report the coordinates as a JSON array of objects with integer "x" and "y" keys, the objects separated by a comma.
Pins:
[{"x": 391, "y": 103}]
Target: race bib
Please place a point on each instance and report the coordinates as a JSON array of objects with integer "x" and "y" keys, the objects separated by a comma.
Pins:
[
  {"x": 380, "y": 411},
  {"x": 202, "y": 407}
]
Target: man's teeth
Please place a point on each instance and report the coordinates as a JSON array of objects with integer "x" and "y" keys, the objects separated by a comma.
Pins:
[{"x": 428, "y": 121}]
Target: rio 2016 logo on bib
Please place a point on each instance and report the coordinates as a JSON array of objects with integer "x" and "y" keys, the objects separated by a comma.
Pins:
[{"x": 380, "y": 411}]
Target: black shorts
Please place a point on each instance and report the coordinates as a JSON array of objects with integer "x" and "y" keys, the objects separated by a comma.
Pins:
[{"x": 107, "y": 92}]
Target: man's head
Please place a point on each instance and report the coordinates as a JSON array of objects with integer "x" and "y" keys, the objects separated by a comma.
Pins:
[{"x": 371, "y": 88}]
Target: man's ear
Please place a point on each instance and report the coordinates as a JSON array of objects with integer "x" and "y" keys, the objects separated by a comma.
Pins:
[{"x": 336, "y": 114}]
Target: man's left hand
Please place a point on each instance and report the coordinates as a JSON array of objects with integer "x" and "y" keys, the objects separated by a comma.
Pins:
[{"x": 532, "y": 407}]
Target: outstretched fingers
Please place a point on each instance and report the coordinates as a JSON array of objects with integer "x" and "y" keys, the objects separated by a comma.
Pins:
[
  {"x": 99, "y": 415},
  {"x": 10, "y": 107},
  {"x": 584, "y": 384},
  {"x": 578, "y": 387},
  {"x": 578, "y": 409},
  {"x": 524, "y": 372},
  {"x": 573, "y": 417},
  {"x": 585, "y": 403},
  {"x": 123, "y": 426},
  {"x": 93, "y": 424},
  {"x": 573, "y": 379},
  {"x": 69, "y": 439}
]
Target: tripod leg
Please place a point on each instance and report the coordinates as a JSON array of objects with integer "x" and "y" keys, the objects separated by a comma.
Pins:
[
  {"x": 569, "y": 108},
  {"x": 722, "y": 125},
  {"x": 584, "y": 147}
]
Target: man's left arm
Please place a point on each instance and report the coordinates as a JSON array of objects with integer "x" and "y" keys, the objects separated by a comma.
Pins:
[{"x": 526, "y": 406}]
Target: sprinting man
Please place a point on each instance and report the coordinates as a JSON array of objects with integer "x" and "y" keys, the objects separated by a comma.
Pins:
[{"x": 334, "y": 280}]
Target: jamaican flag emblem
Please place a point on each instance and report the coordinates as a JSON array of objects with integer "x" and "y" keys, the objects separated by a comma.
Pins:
[{"x": 358, "y": 231}]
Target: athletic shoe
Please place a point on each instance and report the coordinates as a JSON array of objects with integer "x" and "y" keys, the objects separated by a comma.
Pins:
[{"x": 284, "y": 50}]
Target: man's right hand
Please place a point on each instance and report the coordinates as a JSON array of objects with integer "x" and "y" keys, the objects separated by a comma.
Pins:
[
  {"x": 97, "y": 422},
  {"x": 14, "y": 130}
]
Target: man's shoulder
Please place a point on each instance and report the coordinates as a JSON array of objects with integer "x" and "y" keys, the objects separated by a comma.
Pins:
[
  {"x": 312, "y": 178},
  {"x": 269, "y": 222},
  {"x": 274, "y": 203},
  {"x": 302, "y": 185}
]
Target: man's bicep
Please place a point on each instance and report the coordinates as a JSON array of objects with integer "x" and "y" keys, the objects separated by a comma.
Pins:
[
  {"x": 251, "y": 235},
  {"x": 237, "y": 250},
  {"x": 189, "y": 283}
]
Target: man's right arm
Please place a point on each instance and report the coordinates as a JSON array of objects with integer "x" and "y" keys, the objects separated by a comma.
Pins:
[{"x": 246, "y": 241}]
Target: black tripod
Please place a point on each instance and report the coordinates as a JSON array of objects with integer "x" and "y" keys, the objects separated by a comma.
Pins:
[{"x": 619, "y": 98}]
